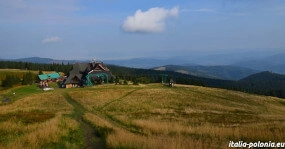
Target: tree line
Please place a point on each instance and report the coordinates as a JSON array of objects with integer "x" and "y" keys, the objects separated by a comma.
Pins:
[
  {"x": 264, "y": 83},
  {"x": 12, "y": 80},
  {"x": 65, "y": 68},
  {"x": 27, "y": 78}
]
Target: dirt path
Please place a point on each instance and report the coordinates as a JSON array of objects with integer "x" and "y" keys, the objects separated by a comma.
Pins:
[
  {"x": 116, "y": 100},
  {"x": 91, "y": 140}
]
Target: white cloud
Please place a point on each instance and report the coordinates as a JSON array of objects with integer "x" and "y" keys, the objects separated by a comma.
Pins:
[
  {"x": 152, "y": 20},
  {"x": 51, "y": 39}
]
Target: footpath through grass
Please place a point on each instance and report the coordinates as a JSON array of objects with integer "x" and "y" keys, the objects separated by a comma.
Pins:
[
  {"x": 155, "y": 116},
  {"x": 91, "y": 140},
  {"x": 37, "y": 119},
  {"x": 126, "y": 116}
]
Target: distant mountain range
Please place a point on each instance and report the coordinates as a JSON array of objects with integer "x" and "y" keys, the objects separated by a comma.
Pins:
[
  {"x": 216, "y": 72},
  {"x": 274, "y": 63},
  {"x": 265, "y": 83},
  {"x": 227, "y": 77},
  {"x": 224, "y": 62},
  {"x": 218, "y": 66},
  {"x": 43, "y": 60},
  {"x": 148, "y": 63}
]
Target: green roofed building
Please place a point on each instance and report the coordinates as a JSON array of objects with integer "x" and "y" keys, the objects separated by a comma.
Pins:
[{"x": 50, "y": 76}]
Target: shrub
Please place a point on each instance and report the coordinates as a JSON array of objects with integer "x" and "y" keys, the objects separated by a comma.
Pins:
[{"x": 10, "y": 81}]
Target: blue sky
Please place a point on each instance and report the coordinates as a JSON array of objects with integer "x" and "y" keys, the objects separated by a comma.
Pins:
[{"x": 120, "y": 29}]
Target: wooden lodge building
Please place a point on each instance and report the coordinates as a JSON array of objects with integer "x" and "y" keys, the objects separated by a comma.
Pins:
[
  {"x": 84, "y": 73},
  {"x": 44, "y": 79}
]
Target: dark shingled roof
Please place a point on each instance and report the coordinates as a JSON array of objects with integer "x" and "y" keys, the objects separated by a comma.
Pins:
[
  {"x": 80, "y": 70},
  {"x": 73, "y": 79},
  {"x": 76, "y": 71}
]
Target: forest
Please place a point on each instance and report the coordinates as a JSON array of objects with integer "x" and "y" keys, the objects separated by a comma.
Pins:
[{"x": 264, "y": 83}]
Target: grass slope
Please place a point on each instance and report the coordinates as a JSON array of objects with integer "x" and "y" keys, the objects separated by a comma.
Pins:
[
  {"x": 37, "y": 119},
  {"x": 91, "y": 140},
  {"x": 144, "y": 116},
  {"x": 182, "y": 117}
]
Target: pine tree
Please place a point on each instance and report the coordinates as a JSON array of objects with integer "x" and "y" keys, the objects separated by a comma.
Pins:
[
  {"x": 40, "y": 72},
  {"x": 27, "y": 78},
  {"x": 10, "y": 81}
]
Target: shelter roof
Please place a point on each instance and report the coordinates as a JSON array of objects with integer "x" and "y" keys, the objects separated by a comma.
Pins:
[
  {"x": 49, "y": 76},
  {"x": 79, "y": 68},
  {"x": 73, "y": 79}
]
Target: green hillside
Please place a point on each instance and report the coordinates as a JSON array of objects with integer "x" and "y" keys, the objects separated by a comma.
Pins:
[
  {"x": 269, "y": 84},
  {"x": 224, "y": 72},
  {"x": 266, "y": 83},
  {"x": 137, "y": 116}
]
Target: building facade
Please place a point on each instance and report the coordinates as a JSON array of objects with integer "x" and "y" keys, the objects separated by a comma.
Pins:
[{"x": 83, "y": 74}]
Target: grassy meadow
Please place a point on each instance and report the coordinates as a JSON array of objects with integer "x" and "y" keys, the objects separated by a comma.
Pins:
[
  {"x": 154, "y": 116},
  {"x": 36, "y": 119},
  {"x": 138, "y": 116}
]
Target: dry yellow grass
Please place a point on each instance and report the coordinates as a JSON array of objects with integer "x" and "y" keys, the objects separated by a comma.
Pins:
[
  {"x": 149, "y": 116},
  {"x": 46, "y": 101},
  {"x": 188, "y": 117},
  {"x": 34, "y": 130},
  {"x": 121, "y": 138},
  {"x": 39, "y": 134},
  {"x": 96, "y": 98}
]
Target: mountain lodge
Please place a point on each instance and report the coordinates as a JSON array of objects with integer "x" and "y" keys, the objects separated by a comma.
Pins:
[{"x": 87, "y": 74}]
